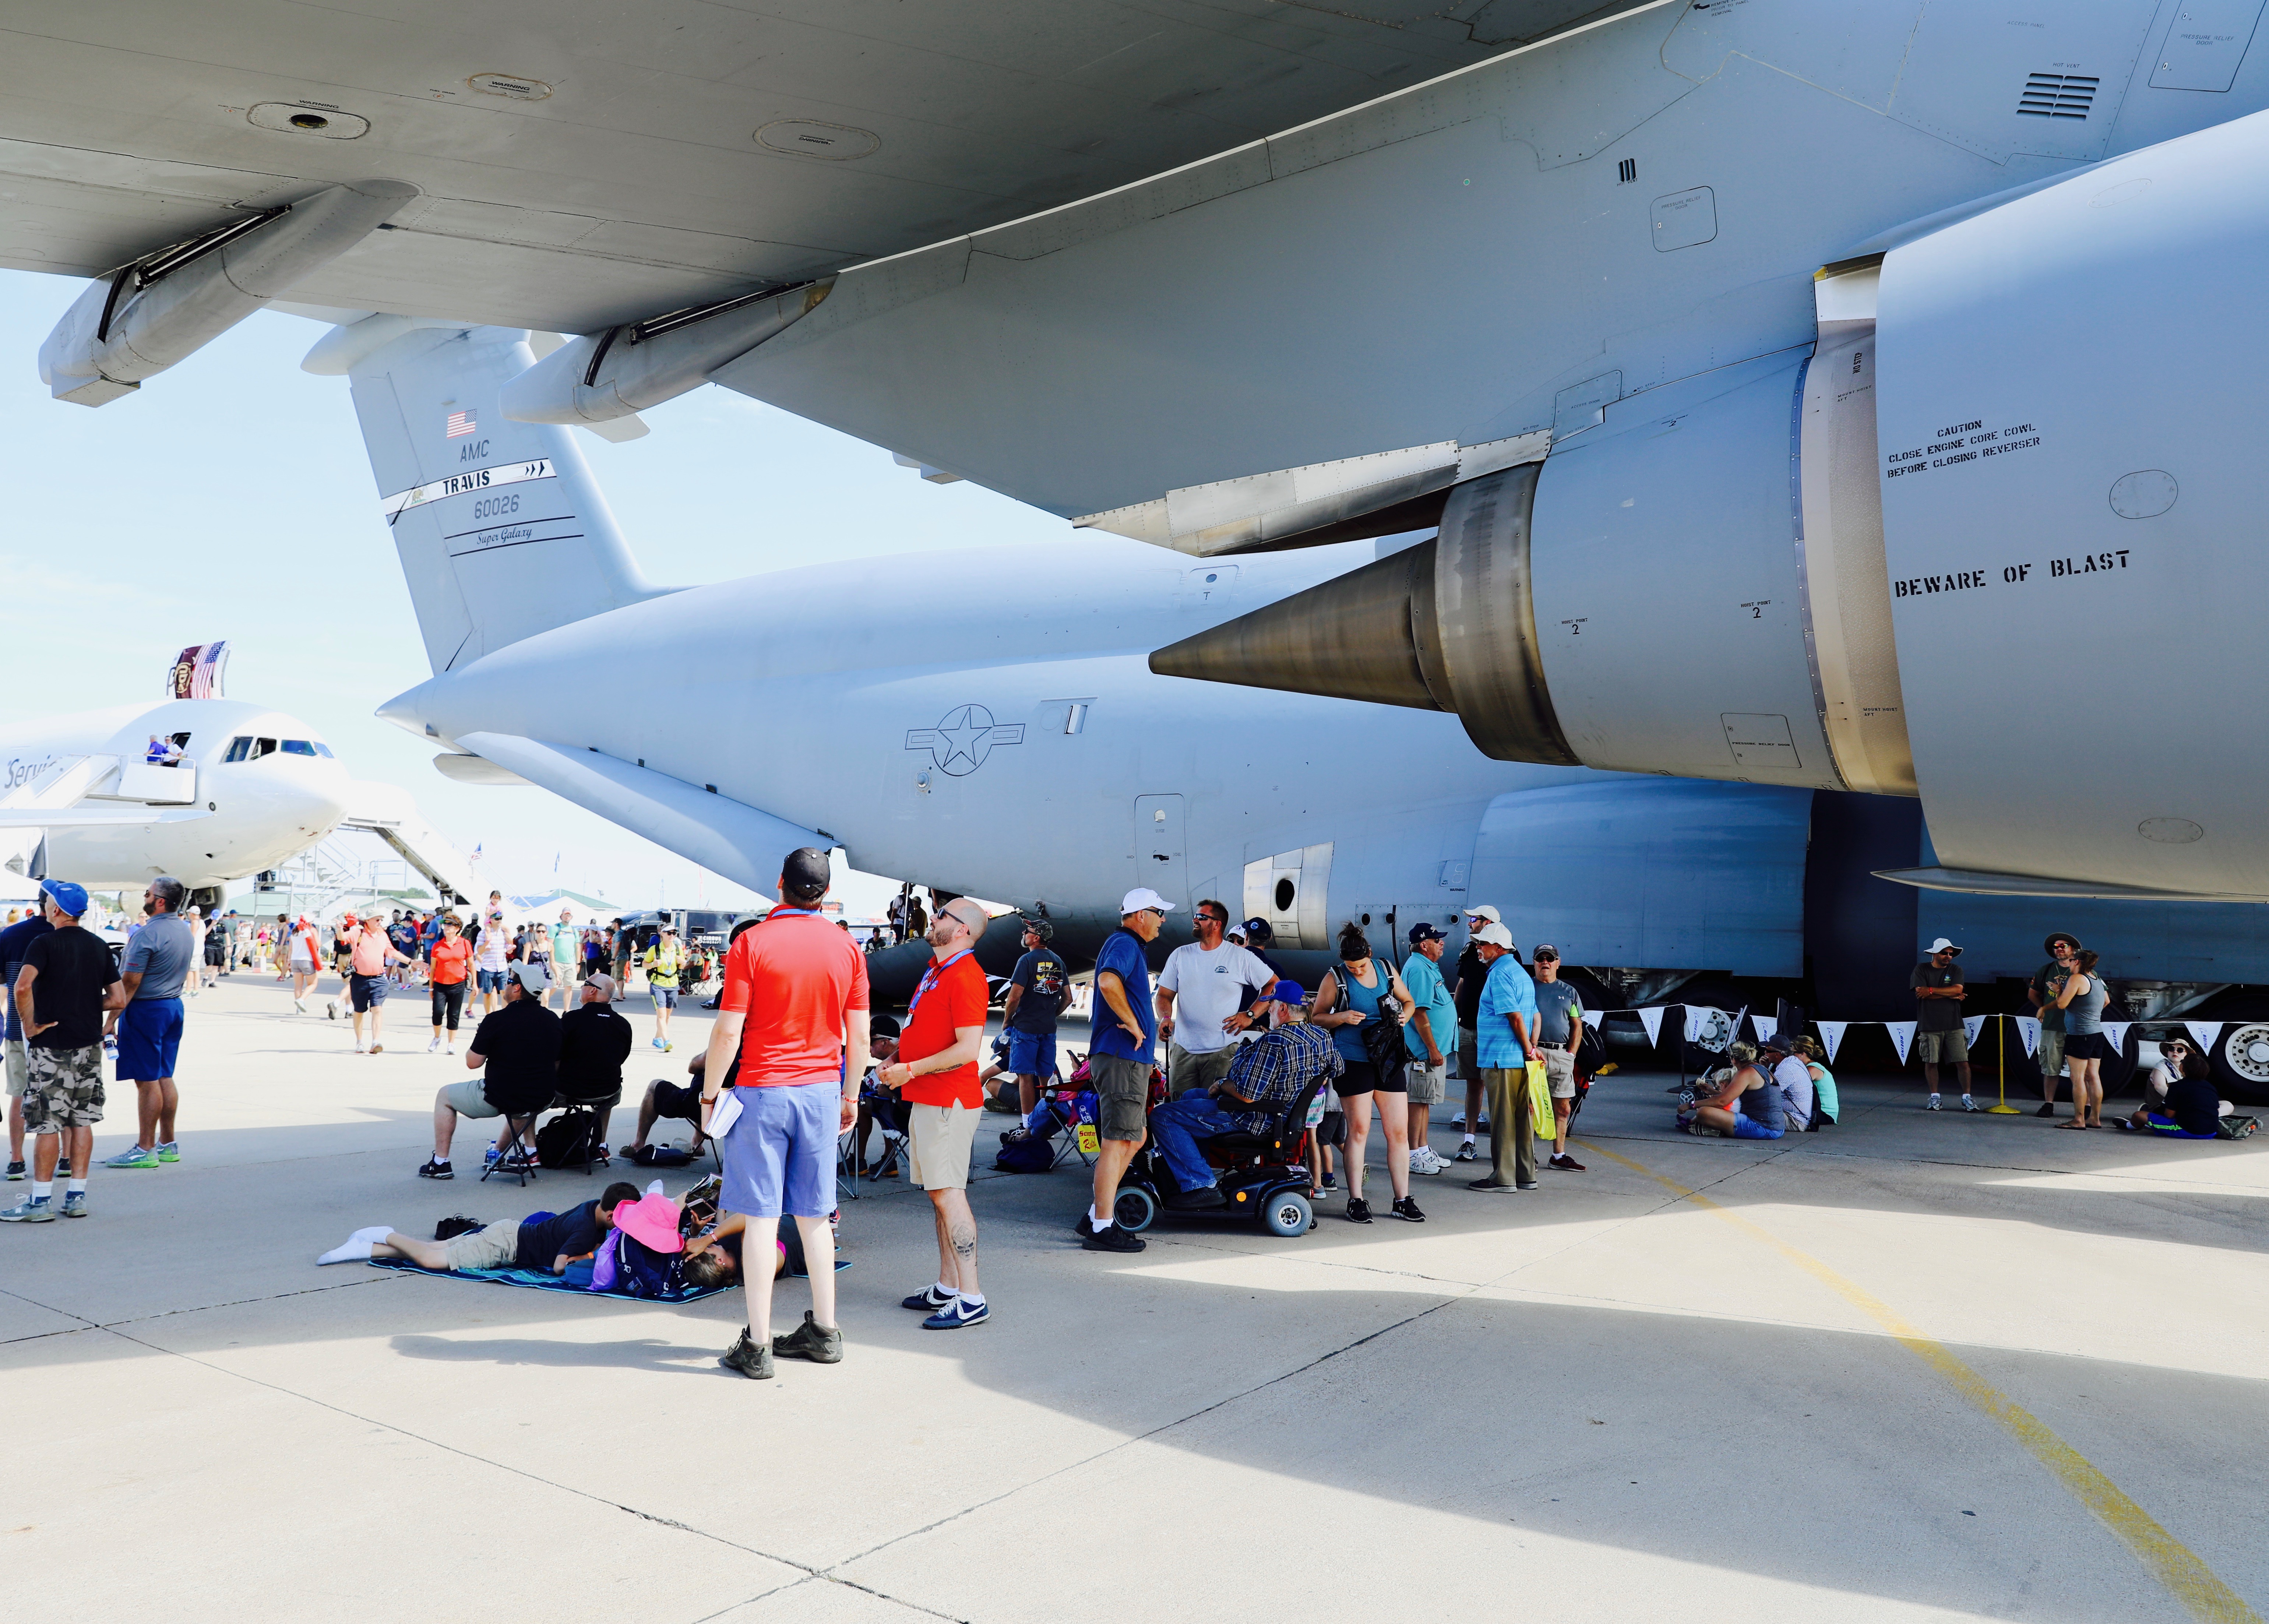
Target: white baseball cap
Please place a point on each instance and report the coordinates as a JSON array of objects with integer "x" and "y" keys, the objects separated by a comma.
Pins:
[
  {"x": 1482, "y": 911},
  {"x": 1141, "y": 897},
  {"x": 531, "y": 977},
  {"x": 1495, "y": 935}
]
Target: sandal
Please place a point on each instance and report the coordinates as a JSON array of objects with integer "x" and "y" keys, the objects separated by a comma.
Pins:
[{"x": 2066, "y": 1127}]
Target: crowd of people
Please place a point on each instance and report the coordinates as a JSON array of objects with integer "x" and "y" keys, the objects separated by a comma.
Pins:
[{"x": 1221, "y": 1050}]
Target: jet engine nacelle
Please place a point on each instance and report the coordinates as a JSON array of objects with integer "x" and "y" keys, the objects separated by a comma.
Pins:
[{"x": 1971, "y": 574}]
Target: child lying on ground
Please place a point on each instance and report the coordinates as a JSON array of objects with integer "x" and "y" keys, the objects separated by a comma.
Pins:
[{"x": 545, "y": 1244}]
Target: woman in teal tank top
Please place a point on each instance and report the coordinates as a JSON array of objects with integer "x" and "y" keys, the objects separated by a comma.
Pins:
[
  {"x": 2086, "y": 1048},
  {"x": 1358, "y": 993}
]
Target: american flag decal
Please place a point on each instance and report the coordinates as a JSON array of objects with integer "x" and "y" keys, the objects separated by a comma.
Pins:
[{"x": 462, "y": 422}]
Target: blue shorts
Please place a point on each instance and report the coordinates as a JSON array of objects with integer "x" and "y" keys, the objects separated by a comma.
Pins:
[
  {"x": 488, "y": 980},
  {"x": 779, "y": 1156},
  {"x": 364, "y": 990},
  {"x": 664, "y": 997},
  {"x": 1032, "y": 1054},
  {"x": 1749, "y": 1128},
  {"x": 149, "y": 1039}
]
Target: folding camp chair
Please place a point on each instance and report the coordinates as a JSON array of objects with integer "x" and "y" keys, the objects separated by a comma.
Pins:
[{"x": 520, "y": 1133}]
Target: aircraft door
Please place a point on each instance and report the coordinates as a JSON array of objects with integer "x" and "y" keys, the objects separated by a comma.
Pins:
[{"x": 1159, "y": 859}]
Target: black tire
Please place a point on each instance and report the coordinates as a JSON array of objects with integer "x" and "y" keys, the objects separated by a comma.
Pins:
[
  {"x": 2241, "y": 1062},
  {"x": 1134, "y": 1211},
  {"x": 1287, "y": 1213}
]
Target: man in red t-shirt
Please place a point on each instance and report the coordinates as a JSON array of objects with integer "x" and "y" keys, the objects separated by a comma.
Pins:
[
  {"x": 791, "y": 1026},
  {"x": 936, "y": 1075}
]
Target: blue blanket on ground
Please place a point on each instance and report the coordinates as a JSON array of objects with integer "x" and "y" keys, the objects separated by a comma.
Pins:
[{"x": 533, "y": 1280}]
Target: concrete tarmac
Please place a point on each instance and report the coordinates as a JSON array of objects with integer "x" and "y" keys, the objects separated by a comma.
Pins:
[{"x": 1850, "y": 1381}]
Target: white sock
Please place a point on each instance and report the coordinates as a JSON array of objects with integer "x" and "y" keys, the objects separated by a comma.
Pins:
[
  {"x": 353, "y": 1249},
  {"x": 975, "y": 1299},
  {"x": 375, "y": 1232},
  {"x": 1097, "y": 1223},
  {"x": 1469, "y": 1138},
  {"x": 1934, "y": 1094},
  {"x": 941, "y": 1290},
  {"x": 42, "y": 1190},
  {"x": 77, "y": 1186}
]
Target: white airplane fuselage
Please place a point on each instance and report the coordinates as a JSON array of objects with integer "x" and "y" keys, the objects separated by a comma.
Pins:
[{"x": 253, "y": 787}]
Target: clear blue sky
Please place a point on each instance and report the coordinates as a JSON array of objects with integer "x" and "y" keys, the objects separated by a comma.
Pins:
[{"x": 231, "y": 498}]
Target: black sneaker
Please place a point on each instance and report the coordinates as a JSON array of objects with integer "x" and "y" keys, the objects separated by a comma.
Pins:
[
  {"x": 1493, "y": 1185},
  {"x": 928, "y": 1302},
  {"x": 1566, "y": 1164},
  {"x": 2048, "y": 1109},
  {"x": 436, "y": 1170},
  {"x": 808, "y": 1340},
  {"x": 1084, "y": 1228},
  {"x": 1195, "y": 1200},
  {"x": 1408, "y": 1208},
  {"x": 752, "y": 1359},
  {"x": 15, "y": 1172},
  {"x": 1118, "y": 1237},
  {"x": 1358, "y": 1210},
  {"x": 1531, "y": 1185}
]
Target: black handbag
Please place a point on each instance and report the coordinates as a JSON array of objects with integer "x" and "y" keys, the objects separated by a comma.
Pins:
[{"x": 1382, "y": 1034}]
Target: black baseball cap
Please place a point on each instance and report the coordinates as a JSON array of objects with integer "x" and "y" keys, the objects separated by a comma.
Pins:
[
  {"x": 1423, "y": 931},
  {"x": 1041, "y": 929},
  {"x": 1257, "y": 929},
  {"x": 806, "y": 872}
]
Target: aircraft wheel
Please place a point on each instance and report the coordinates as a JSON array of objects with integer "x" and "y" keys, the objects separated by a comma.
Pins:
[{"x": 2241, "y": 1062}]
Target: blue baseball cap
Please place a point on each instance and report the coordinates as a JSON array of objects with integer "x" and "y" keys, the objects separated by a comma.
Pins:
[
  {"x": 1287, "y": 992},
  {"x": 1423, "y": 931},
  {"x": 69, "y": 896}
]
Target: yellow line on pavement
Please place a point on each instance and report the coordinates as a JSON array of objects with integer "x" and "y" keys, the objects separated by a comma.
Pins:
[{"x": 2188, "y": 1579}]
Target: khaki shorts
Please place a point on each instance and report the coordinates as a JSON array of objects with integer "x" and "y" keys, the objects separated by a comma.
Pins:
[
  {"x": 1122, "y": 1096},
  {"x": 1560, "y": 1072},
  {"x": 1935, "y": 1046},
  {"x": 1186, "y": 1071},
  {"x": 466, "y": 1100},
  {"x": 1426, "y": 1083},
  {"x": 941, "y": 1136},
  {"x": 63, "y": 1089},
  {"x": 2051, "y": 1055},
  {"x": 18, "y": 1072},
  {"x": 496, "y": 1247}
]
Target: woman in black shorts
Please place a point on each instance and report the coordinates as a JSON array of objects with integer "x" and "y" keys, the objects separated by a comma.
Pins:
[{"x": 1364, "y": 990}]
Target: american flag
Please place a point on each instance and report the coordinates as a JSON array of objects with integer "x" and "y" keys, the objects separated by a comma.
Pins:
[{"x": 462, "y": 422}]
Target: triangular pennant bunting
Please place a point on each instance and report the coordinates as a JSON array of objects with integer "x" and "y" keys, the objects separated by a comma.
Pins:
[
  {"x": 1697, "y": 1016},
  {"x": 1766, "y": 1025},
  {"x": 1652, "y": 1019},
  {"x": 1831, "y": 1033},
  {"x": 2206, "y": 1032},
  {"x": 1902, "y": 1036},
  {"x": 1969, "y": 1025},
  {"x": 2030, "y": 1027},
  {"x": 2114, "y": 1033}
]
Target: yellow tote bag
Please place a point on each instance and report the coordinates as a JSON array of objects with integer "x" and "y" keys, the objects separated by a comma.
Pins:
[{"x": 1539, "y": 1101}]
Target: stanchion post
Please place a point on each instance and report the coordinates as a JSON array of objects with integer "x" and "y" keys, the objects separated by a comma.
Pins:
[{"x": 2001, "y": 1107}]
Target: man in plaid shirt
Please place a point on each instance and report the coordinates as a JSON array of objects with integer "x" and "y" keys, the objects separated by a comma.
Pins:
[{"x": 1265, "y": 1078}]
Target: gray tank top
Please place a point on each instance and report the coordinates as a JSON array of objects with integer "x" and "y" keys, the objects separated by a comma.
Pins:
[
  {"x": 2085, "y": 1013},
  {"x": 1763, "y": 1104}
]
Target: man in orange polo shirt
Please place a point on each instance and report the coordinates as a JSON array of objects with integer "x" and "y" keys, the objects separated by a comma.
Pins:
[
  {"x": 791, "y": 1026},
  {"x": 936, "y": 1075}
]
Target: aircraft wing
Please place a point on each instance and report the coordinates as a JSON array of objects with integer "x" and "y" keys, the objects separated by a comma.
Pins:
[
  {"x": 581, "y": 164},
  {"x": 95, "y": 817},
  {"x": 723, "y": 835}
]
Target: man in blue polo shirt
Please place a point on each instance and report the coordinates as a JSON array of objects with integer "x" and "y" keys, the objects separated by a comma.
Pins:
[
  {"x": 1119, "y": 1057},
  {"x": 1506, "y": 1042},
  {"x": 157, "y": 963}
]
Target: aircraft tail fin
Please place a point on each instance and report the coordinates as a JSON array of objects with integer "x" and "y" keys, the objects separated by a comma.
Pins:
[{"x": 501, "y": 530}]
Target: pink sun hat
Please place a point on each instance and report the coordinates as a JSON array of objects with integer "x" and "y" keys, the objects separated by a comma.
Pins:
[{"x": 652, "y": 1221}]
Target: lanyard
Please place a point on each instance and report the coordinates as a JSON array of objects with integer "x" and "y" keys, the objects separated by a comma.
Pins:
[{"x": 929, "y": 980}]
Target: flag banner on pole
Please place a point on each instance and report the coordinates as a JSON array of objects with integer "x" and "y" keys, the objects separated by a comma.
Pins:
[
  {"x": 1969, "y": 1025},
  {"x": 1902, "y": 1036},
  {"x": 1766, "y": 1025},
  {"x": 1696, "y": 1015},
  {"x": 2206, "y": 1032},
  {"x": 2030, "y": 1026},
  {"x": 1651, "y": 1019},
  {"x": 2114, "y": 1033},
  {"x": 1831, "y": 1033}
]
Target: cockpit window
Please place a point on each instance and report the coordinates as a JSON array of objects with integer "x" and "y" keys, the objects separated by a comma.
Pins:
[
  {"x": 263, "y": 747},
  {"x": 298, "y": 747},
  {"x": 239, "y": 749},
  {"x": 324, "y": 750}
]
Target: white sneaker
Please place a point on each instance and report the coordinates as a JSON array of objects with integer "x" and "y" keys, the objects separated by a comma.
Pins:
[
  {"x": 300, "y": 1005},
  {"x": 1424, "y": 1160},
  {"x": 434, "y": 1047},
  {"x": 1933, "y": 1103},
  {"x": 449, "y": 1048},
  {"x": 361, "y": 1047}
]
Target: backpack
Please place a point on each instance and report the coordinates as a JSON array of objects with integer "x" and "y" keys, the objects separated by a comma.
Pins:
[
  {"x": 2235, "y": 1127},
  {"x": 642, "y": 1272},
  {"x": 645, "y": 1155},
  {"x": 1031, "y": 1153},
  {"x": 564, "y": 1140}
]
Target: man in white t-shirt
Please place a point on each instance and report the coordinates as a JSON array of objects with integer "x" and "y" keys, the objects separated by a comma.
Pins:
[{"x": 1199, "y": 992}]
